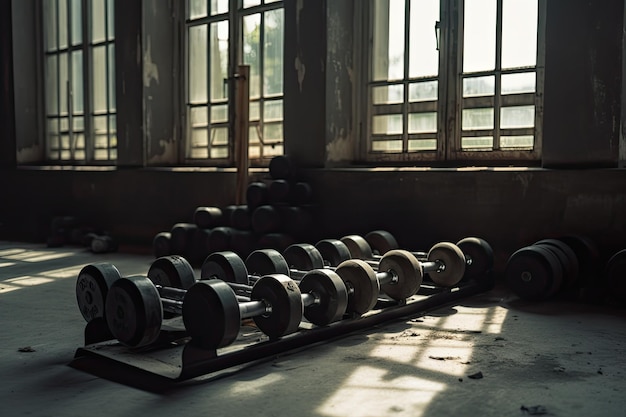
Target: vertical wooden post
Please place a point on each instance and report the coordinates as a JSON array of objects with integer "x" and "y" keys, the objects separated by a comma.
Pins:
[{"x": 242, "y": 109}]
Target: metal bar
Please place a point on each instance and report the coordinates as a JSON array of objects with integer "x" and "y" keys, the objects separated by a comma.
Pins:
[{"x": 241, "y": 132}]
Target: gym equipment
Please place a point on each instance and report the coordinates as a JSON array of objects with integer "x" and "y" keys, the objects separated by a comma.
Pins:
[
  {"x": 212, "y": 314},
  {"x": 92, "y": 286},
  {"x": 282, "y": 167},
  {"x": 534, "y": 272},
  {"x": 324, "y": 296},
  {"x": 256, "y": 194},
  {"x": 615, "y": 276},
  {"x": 333, "y": 251},
  {"x": 445, "y": 262},
  {"x": 567, "y": 258},
  {"x": 161, "y": 244},
  {"x": 207, "y": 217},
  {"x": 181, "y": 237},
  {"x": 478, "y": 253}
]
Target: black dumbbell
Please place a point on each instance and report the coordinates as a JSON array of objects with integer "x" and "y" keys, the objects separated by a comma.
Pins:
[
  {"x": 534, "y": 272},
  {"x": 478, "y": 253},
  {"x": 400, "y": 275},
  {"x": 324, "y": 297},
  {"x": 92, "y": 286},
  {"x": 445, "y": 262},
  {"x": 615, "y": 276}
]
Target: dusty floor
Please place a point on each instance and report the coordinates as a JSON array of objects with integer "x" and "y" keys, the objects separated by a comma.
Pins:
[{"x": 552, "y": 358}]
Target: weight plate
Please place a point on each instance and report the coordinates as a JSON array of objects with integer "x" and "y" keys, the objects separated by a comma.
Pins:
[
  {"x": 92, "y": 287},
  {"x": 241, "y": 218},
  {"x": 172, "y": 271},
  {"x": 284, "y": 296},
  {"x": 381, "y": 241},
  {"x": 181, "y": 235},
  {"x": 265, "y": 262},
  {"x": 480, "y": 256},
  {"x": 407, "y": 271},
  {"x": 302, "y": 193},
  {"x": 207, "y": 217},
  {"x": 134, "y": 312},
  {"x": 588, "y": 256},
  {"x": 358, "y": 247},
  {"x": 531, "y": 273},
  {"x": 570, "y": 263},
  {"x": 211, "y": 313},
  {"x": 265, "y": 219},
  {"x": 362, "y": 284},
  {"x": 453, "y": 261},
  {"x": 281, "y": 167},
  {"x": 303, "y": 256},
  {"x": 333, "y": 251},
  {"x": 226, "y": 266},
  {"x": 278, "y": 191},
  {"x": 561, "y": 258},
  {"x": 160, "y": 244},
  {"x": 219, "y": 239},
  {"x": 331, "y": 296},
  {"x": 256, "y": 194},
  {"x": 615, "y": 275}
]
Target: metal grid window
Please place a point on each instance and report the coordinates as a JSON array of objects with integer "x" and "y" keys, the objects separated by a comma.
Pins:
[
  {"x": 220, "y": 32},
  {"x": 455, "y": 80},
  {"x": 79, "y": 57}
]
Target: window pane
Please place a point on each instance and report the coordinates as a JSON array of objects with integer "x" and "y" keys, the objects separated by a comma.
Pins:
[
  {"x": 219, "y": 6},
  {"x": 518, "y": 83},
  {"x": 110, "y": 19},
  {"x": 197, "y": 8},
  {"x": 474, "y": 119},
  {"x": 519, "y": 33},
  {"x": 479, "y": 86},
  {"x": 63, "y": 23},
  {"x": 198, "y": 117},
  {"x": 273, "y": 53},
  {"x": 219, "y": 59},
  {"x": 423, "y": 53},
  {"x": 219, "y": 114},
  {"x": 416, "y": 145},
  {"x": 219, "y": 136},
  {"x": 252, "y": 51},
  {"x": 111, "y": 81},
  {"x": 525, "y": 142},
  {"x": 50, "y": 24},
  {"x": 388, "y": 94},
  {"x": 52, "y": 80},
  {"x": 97, "y": 20},
  {"x": 387, "y": 146},
  {"x": 251, "y": 3},
  {"x": 199, "y": 138},
  {"x": 63, "y": 83},
  {"x": 388, "y": 42},
  {"x": 424, "y": 91},
  {"x": 480, "y": 142},
  {"x": 479, "y": 35},
  {"x": 255, "y": 110},
  {"x": 99, "y": 86},
  {"x": 517, "y": 117},
  {"x": 77, "y": 82},
  {"x": 389, "y": 124},
  {"x": 198, "y": 64},
  {"x": 273, "y": 110},
  {"x": 272, "y": 132},
  {"x": 77, "y": 22},
  {"x": 423, "y": 122}
]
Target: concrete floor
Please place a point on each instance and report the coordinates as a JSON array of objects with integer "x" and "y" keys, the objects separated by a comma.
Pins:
[{"x": 554, "y": 358}]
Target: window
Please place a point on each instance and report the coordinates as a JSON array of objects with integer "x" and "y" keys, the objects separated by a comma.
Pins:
[
  {"x": 454, "y": 80},
  {"x": 79, "y": 56},
  {"x": 212, "y": 48}
]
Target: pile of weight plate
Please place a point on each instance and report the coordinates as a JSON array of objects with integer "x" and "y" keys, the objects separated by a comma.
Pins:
[
  {"x": 569, "y": 267},
  {"x": 279, "y": 211}
]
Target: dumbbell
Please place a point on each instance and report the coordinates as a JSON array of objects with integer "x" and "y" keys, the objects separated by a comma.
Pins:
[
  {"x": 615, "y": 274},
  {"x": 478, "y": 253},
  {"x": 400, "y": 274},
  {"x": 534, "y": 272},
  {"x": 324, "y": 297},
  {"x": 445, "y": 262}
]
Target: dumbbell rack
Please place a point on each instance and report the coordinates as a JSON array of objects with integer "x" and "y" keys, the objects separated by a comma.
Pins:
[{"x": 175, "y": 357}]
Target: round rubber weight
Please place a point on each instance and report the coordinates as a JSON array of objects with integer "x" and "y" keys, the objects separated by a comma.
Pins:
[
  {"x": 92, "y": 286},
  {"x": 211, "y": 313},
  {"x": 454, "y": 261},
  {"x": 226, "y": 266},
  {"x": 285, "y": 298},
  {"x": 333, "y": 251},
  {"x": 303, "y": 256},
  {"x": 172, "y": 271},
  {"x": 531, "y": 271},
  {"x": 615, "y": 273},
  {"x": 408, "y": 271},
  {"x": 381, "y": 241},
  {"x": 480, "y": 254},
  {"x": 568, "y": 258},
  {"x": 134, "y": 312},
  {"x": 266, "y": 261},
  {"x": 331, "y": 294},
  {"x": 358, "y": 247},
  {"x": 361, "y": 278}
]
